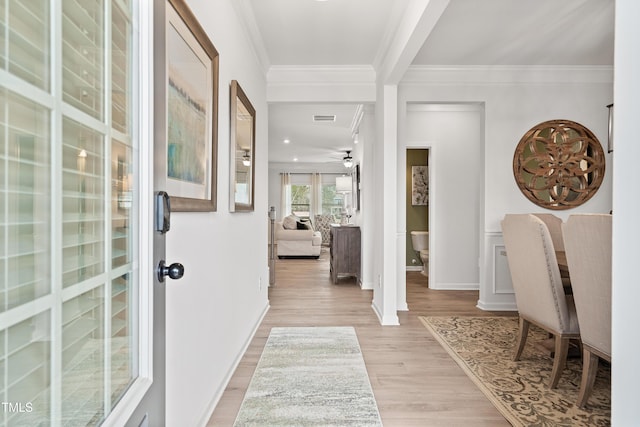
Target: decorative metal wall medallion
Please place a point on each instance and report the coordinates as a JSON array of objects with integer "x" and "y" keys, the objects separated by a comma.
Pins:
[{"x": 559, "y": 164}]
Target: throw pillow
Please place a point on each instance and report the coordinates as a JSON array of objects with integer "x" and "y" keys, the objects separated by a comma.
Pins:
[
  {"x": 308, "y": 222},
  {"x": 289, "y": 222},
  {"x": 301, "y": 225}
]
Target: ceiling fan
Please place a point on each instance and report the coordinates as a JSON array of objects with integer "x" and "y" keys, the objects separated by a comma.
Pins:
[{"x": 347, "y": 160}]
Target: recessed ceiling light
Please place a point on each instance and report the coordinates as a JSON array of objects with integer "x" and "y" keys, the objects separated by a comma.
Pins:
[
  {"x": 295, "y": 159},
  {"x": 286, "y": 141}
]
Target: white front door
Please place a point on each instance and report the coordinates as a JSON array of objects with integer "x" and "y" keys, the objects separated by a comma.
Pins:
[{"x": 78, "y": 306}]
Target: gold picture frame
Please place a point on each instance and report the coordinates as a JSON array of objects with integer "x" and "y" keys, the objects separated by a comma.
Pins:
[{"x": 242, "y": 150}]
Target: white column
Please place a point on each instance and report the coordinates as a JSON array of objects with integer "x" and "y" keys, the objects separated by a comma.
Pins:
[{"x": 626, "y": 205}]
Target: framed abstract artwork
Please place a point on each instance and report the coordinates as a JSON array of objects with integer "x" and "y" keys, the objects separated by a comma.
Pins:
[
  {"x": 419, "y": 185},
  {"x": 192, "y": 111}
]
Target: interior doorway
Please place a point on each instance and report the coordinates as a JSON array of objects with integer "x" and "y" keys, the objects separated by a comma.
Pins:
[{"x": 417, "y": 210}]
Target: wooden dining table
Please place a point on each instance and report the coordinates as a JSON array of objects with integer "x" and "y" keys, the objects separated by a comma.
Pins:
[{"x": 561, "y": 257}]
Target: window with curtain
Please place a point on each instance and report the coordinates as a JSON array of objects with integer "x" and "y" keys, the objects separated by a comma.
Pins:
[
  {"x": 332, "y": 201},
  {"x": 301, "y": 200},
  {"x": 311, "y": 194}
]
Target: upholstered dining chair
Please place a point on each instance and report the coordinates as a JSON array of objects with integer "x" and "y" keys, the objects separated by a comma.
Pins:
[
  {"x": 588, "y": 247},
  {"x": 554, "y": 225},
  {"x": 538, "y": 287}
]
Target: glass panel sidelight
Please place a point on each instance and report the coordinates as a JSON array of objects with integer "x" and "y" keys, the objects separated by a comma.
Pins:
[
  {"x": 121, "y": 203},
  {"x": 24, "y": 40},
  {"x": 26, "y": 356},
  {"x": 25, "y": 270},
  {"x": 83, "y": 195},
  {"x": 68, "y": 211},
  {"x": 124, "y": 353},
  {"x": 120, "y": 69},
  {"x": 83, "y": 359},
  {"x": 83, "y": 55}
]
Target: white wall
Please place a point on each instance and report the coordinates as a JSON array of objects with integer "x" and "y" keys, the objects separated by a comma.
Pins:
[
  {"x": 515, "y": 99},
  {"x": 214, "y": 309},
  {"x": 363, "y": 153},
  {"x": 453, "y": 135}
]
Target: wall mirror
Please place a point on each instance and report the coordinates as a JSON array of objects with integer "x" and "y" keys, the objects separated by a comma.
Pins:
[
  {"x": 242, "y": 150},
  {"x": 559, "y": 164}
]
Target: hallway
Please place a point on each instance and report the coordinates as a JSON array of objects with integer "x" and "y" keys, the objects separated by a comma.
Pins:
[{"x": 414, "y": 381}]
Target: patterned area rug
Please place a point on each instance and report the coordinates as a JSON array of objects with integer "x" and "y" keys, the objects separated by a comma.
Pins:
[
  {"x": 484, "y": 348},
  {"x": 310, "y": 376}
]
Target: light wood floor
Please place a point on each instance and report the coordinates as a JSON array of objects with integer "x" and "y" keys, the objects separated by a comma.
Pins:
[{"x": 414, "y": 380}]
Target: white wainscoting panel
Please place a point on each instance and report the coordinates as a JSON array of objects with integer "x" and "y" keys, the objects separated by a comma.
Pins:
[
  {"x": 501, "y": 274},
  {"x": 496, "y": 292}
]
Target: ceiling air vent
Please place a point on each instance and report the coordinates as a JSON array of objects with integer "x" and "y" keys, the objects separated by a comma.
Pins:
[{"x": 324, "y": 118}]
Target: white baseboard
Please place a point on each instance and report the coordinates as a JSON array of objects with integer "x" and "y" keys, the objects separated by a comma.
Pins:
[
  {"x": 366, "y": 286},
  {"x": 385, "y": 320},
  {"x": 497, "y": 306},
  {"x": 218, "y": 395},
  {"x": 456, "y": 286}
]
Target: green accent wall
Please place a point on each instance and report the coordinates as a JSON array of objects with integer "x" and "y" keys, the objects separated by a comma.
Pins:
[{"x": 417, "y": 216}]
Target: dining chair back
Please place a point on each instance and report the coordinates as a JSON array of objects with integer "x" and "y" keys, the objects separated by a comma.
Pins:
[
  {"x": 554, "y": 225},
  {"x": 537, "y": 284},
  {"x": 588, "y": 248}
]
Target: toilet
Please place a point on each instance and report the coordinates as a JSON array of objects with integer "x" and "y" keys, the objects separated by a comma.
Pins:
[{"x": 420, "y": 243}]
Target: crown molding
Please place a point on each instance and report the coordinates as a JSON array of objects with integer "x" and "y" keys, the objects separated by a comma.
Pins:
[
  {"x": 314, "y": 74},
  {"x": 396, "y": 16},
  {"x": 508, "y": 74},
  {"x": 248, "y": 21},
  {"x": 357, "y": 118},
  {"x": 355, "y": 84}
]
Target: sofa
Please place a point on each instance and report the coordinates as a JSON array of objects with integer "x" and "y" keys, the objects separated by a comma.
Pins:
[{"x": 296, "y": 239}]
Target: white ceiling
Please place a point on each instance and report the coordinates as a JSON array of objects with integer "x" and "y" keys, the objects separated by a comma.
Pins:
[
  {"x": 331, "y": 32},
  {"x": 309, "y": 141},
  {"x": 358, "y": 32},
  {"x": 520, "y": 32}
]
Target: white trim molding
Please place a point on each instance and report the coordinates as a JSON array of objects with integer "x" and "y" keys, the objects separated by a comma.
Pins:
[
  {"x": 321, "y": 84},
  {"x": 479, "y": 74},
  {"x": 385, "y": 320},
  {"x": 456, "y": 286},
  {"x": 496, "y": 292}
]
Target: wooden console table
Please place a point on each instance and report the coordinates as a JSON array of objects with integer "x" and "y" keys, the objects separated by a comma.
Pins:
[{"x": 344, "y": 246}]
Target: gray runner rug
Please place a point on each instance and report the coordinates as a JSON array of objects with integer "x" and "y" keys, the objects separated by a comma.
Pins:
[{"x": 310, "y": 376}]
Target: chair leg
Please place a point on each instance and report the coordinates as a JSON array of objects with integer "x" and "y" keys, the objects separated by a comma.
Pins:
[
  {"x": 589, "y": 370},
  {"x": 522, "y": 338},
  {"x": 559, "y": 359}
]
